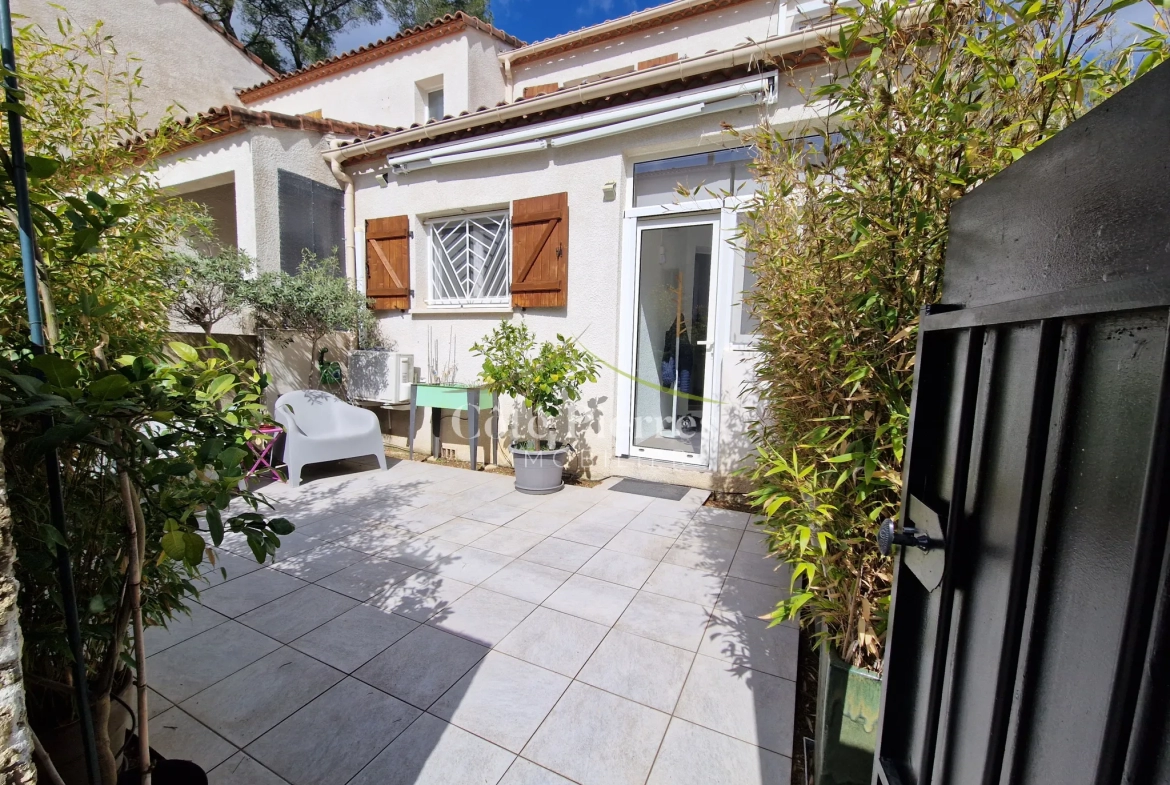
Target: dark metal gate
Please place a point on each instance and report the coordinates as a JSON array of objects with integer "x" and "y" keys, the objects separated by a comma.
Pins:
[{"x": 1033, "y": 644}]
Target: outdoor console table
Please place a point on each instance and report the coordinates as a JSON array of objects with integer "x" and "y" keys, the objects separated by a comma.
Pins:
[{"x": 456, "y": 397}]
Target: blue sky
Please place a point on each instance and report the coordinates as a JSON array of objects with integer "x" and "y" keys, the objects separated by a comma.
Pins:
[
  {"x": 535, "y": 20},
  {"x": 528, "y": 20}
]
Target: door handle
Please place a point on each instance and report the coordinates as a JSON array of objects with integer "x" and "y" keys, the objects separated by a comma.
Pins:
[
  {"x": 702, "y": 343},
  {"x": 888, "y": 537}
]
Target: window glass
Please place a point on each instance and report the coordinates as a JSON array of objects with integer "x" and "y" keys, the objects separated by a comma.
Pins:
[
  {"x": 470, "y": 260},
  {"x": 703, "y": 175},
  {"x": 435, "y": 104}
]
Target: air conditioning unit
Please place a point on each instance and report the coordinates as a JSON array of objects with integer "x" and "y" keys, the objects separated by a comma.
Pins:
[{"x": 384, "y": 377}]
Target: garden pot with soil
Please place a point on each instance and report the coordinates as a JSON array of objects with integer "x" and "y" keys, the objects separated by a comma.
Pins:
[{"x": 848, "y": 701}]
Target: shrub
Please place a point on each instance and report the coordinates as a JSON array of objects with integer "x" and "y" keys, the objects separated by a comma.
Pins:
[
  {"x": 209, "y": 288},
  {"x": 849, "y": 234},
  {"x": 545, "y": 381}
]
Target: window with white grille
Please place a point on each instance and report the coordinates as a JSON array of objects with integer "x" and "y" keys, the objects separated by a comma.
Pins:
[{"x": 471, "y": 260}]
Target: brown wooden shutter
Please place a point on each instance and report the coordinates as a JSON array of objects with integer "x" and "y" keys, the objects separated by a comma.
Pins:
[
  {"x": 540, "y": 251},
  {"x": 388, "y": 262}
]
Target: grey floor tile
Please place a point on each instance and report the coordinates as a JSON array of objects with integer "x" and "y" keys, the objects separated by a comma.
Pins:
[
  {"x": 332, "y": 527},
  {"x": 620, "y": 568},
  {"x": 367, "y": 578},
  {"x": 238, "y": 596},
  {"x": 715, "y": 516},
  {"x": 421, "y": 596},
  {"x": 648, "y": 546},
  {"x": 335, "y": 735},
  {"x": 595, "y": 738},
  {"x": 376, "y": 538},
  {"x": 716, "y": 561},
  {"x": 761, "y": 569},
  {"x": 239, "y": 769},
  {"x": 525, "y": 501},
  {"x": 292, "y": 615},
  {"x": 666, "y": 620},
  {"x": 625, "y": 501},
  {"x": 662, "y": 525},
  {"x": 471, "y": 565},
  {"x": 640, "y": 669},
  {"x": 706, "y": 535},
  {"x": 156, "y": 703},
  {"x": 693, "y": 755},
  {"x": 423, "y": 552},
  {"x": 461, "y": 531},
  {"x": 227, "y": 566},
  {"x": 493, "y": 512},
  {"x": 297, "y": 542},
  {"x": 540, "y": 521},
  {"x": 509, "y": 542},
  {"x": 562, "y": 554},
  {"x": 751, "y": 599},
  {"x": 502, "y": 699},
  {"x": 453, "y": 505},
  {"x": 589, "y": 598},
  {"x": 321, "y": 561},
  {"x": 684, "y": 583},
  {"x": 422, "y": 521},
  {"x": 681, "y": 510},
  {"x": 748, "y": 642},
  {"x": 527, "y": 581},
  {"x": 754, "y": 707},
  {"x": 355, "y": 637},
  {"x": 195, "y": 664},
  {"x": 592, "y": 532},
  {"x": 433, "y": 752},
  {"x": 483, "y": 616},
  {"x": 755, "y": 540},
  {"x": 422, "y": 666},
  {"x": 177, "y": 735},
  {"x": 250, "y": 702},
  {"x": 610, "y": 515},
  {"x": 182, "y": 627},
  {"x": 553, "y": 640},
  {"x": 525, "y": 772}
]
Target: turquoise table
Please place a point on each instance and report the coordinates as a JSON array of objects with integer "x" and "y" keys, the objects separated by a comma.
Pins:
[{"x": 456, "y": 397}]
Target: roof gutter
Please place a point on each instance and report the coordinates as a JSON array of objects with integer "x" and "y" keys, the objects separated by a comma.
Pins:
[{"x": 743, "y": 54}]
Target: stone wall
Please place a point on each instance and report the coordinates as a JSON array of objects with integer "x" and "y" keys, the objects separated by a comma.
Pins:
[{"x": 15, "y": 739}]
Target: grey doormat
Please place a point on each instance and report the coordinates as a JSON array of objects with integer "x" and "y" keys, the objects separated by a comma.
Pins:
[{"x": 659, "y": 490}]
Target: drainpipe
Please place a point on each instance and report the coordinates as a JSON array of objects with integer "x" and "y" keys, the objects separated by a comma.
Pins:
[
  {"x": 348, "y": 213},
  {"x": 509, "y": 90}
]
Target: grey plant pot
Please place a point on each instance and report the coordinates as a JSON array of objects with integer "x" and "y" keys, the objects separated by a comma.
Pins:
[
  {"x": 848, "y": 703},
  {"x": 539, "y": 471}
]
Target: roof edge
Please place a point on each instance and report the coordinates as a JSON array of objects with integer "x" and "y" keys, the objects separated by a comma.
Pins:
[
  {"x": 615, "y": 28},
  {"x": 231, "y": 39},
  {"x": 449, "y": 24}
]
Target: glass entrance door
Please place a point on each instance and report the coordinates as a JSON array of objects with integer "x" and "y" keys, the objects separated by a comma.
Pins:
[{"x": 673, "y": 340}]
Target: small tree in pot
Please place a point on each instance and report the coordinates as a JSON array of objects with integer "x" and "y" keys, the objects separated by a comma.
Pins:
[{"x": 546, "y": 380}]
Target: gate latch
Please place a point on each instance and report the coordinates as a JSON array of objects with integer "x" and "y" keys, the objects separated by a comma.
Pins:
[{"x": 909, "y": 537}]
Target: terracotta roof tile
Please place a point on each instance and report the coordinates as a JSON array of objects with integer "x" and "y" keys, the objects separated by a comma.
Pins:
[
  {"x": 404, "y": 39},
  {"x": 225, "y": 120}
]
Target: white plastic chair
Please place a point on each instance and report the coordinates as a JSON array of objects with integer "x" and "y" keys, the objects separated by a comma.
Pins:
[{"x": 319, "y": 426}]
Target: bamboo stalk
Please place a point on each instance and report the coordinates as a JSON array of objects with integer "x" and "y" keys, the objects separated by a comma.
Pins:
[{"x": 133, "y": 511}]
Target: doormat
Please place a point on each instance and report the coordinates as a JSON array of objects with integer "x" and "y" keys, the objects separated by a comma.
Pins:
[{"x": 659, "y": 490}]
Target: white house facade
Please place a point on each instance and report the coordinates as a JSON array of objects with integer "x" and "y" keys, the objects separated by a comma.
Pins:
[{"x": 589, "y": 185}]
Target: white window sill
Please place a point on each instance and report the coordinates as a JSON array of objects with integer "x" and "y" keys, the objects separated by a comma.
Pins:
[{"x": 446, "y": 309}]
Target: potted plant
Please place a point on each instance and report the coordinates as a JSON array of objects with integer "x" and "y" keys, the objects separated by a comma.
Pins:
[{"x": 545, "y": 380}]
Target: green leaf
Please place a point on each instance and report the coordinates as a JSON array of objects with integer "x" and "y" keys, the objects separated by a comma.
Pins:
[
  {"x": 231, "y": 457},
  {"x": 174, "y": 544},
  {"x": 219, "y": 386},
  {"x": 58, "y": 371},
  {"x": 184, "y": 352},
  {"x": 281, "y": 526},
  {"x": 39, "y": 167},
  {"x": 215, "y": 525},
  {"x": 193, "y": 545},
  {"x": 96, "y": 604},
  {"x": 109, "y": 388}
]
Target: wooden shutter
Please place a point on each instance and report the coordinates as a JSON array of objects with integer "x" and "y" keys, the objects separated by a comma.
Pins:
[
  {"x": 540, "y": 251},
  {"x": 388, "y": 262}
]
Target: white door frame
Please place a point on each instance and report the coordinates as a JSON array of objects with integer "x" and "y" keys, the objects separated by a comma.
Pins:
[{"x": 633, "y": 226}]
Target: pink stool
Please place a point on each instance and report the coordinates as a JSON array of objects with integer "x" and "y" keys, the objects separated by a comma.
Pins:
[{"x": 263, "y": 451}]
